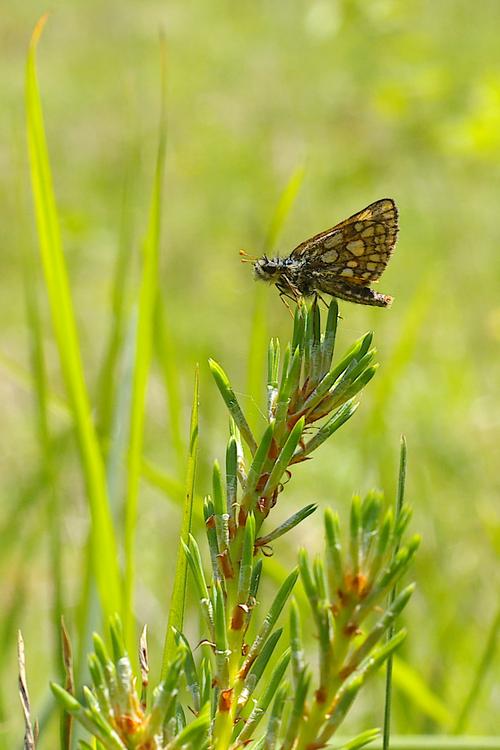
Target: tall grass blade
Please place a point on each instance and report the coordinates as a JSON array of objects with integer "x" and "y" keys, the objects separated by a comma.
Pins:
[
  {"x": 104, "y": 548},
  {"x": 178, "y": 598},
  {"x": 45, "y": 440},
  {"x": 258, "y": 332},
  {"x": 283, "y": 208}
]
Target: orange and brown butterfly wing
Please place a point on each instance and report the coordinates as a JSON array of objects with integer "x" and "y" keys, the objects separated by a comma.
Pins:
[{"x": 355, "y": 251}]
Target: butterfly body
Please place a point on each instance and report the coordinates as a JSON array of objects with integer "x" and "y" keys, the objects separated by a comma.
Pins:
[{"x": 342, "y": 261}]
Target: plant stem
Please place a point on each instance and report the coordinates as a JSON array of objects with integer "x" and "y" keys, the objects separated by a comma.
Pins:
[
  {"x": 388, "y": 682},
  {"x": 485, "y": 661}
]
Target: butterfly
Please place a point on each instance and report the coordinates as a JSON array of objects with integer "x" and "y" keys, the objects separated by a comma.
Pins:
[{"x": 342, "y": 261}]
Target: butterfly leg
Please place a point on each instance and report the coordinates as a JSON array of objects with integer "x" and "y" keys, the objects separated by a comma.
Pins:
[
  {"x": 327, "y": 305},
  {"x": 288, "y": 291},
  {"x": 283, "y": 299},
  {"x": 317, "y": 295}
]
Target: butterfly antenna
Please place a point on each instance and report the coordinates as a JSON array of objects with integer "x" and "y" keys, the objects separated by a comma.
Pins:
[{"x": 246, "y": 258}]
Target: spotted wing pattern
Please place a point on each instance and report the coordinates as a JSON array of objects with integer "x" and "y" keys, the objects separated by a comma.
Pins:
[{"x": 357, "y": 250}]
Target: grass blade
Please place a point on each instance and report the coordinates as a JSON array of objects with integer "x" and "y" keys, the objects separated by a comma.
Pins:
[
  {"x": 486, "y": 660},
  {"x": 285, "y": 205},
  {"x": 388, "y": 682},
  {"x": 410, "y": 682},
  {"x": 361, "y": 740},
  {"x": 258, "y": 333},
  {"x": 167, "y": 361},
  {"x": 104, "y": 548},
  {"x": 29, "y": 735},
  {"x": 46, "y": 442},
  {"x": 178, "y": 598},
  {"x": 66, "y": 726}
]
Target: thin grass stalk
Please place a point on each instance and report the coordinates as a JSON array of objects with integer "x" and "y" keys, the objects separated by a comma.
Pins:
[
  {"x": 66, "y": 723},
  {"x": 386, "y": 734},
  {"x": 170, "y": 371},
  {"x": 178, "y": 597},
  {"x": 29, "y": 731}
]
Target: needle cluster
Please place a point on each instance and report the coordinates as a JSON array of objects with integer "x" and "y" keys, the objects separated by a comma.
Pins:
[{"x": 245, "y": 685}]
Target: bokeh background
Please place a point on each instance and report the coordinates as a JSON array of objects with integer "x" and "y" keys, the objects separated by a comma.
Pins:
[{"x": 373, "y": 99}]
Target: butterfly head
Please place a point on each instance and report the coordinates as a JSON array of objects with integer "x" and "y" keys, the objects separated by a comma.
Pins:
[{"x": 268, "y": 269}]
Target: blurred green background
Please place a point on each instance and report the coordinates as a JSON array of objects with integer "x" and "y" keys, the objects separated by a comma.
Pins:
[{"x": 375, "y": 99}]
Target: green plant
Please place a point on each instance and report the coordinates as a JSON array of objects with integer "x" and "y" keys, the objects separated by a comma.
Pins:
[
  {"x": 230, "y": 688},
  {"x": 239, "y": 676}
]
